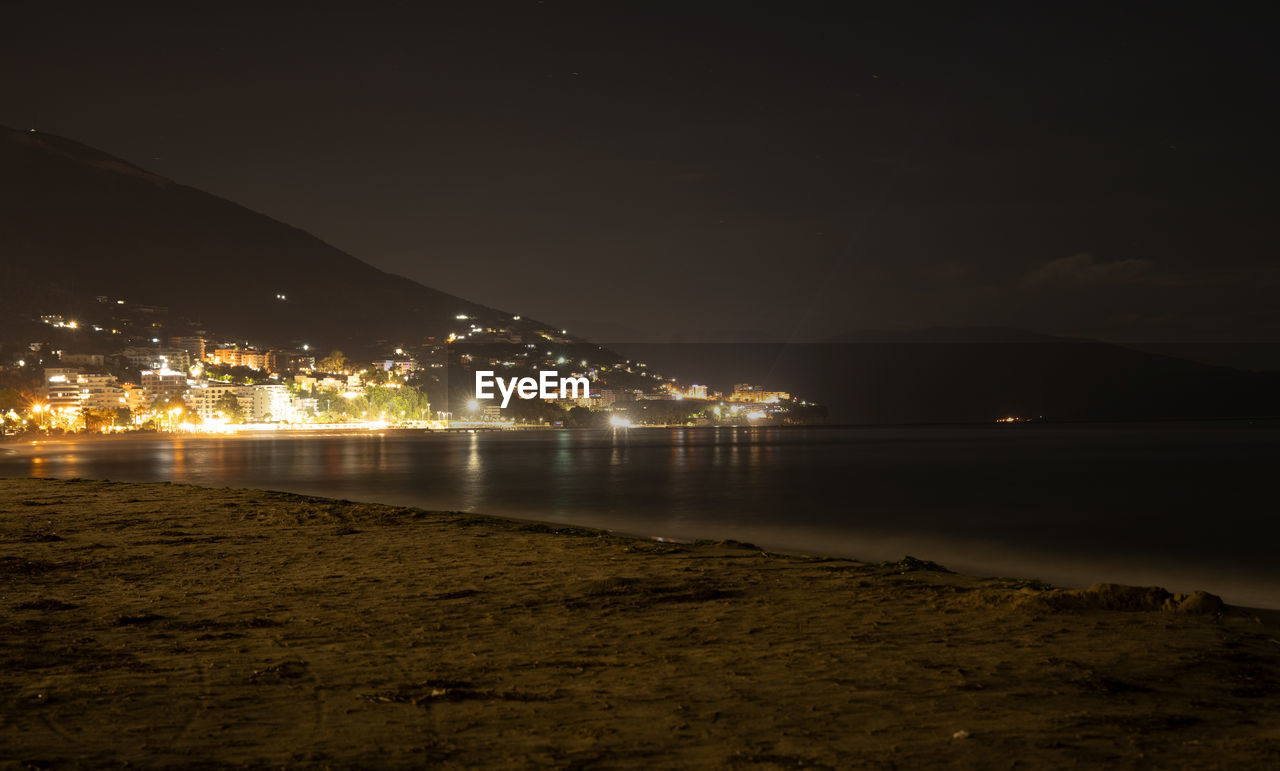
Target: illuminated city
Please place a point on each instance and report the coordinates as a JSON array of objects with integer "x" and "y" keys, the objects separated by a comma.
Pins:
[{"x": 127, "y": 374}]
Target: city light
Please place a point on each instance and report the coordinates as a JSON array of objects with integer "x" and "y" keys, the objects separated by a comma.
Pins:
[{"x": 183, "y": 385}]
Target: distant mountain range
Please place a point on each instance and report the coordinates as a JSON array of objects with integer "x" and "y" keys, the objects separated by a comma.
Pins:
[
  {"x": 948, "y": 375},
  {"x": 76, "y": 223}
]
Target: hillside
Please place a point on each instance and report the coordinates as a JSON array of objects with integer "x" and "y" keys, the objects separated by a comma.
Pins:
[{"x": 76, "y": 223}]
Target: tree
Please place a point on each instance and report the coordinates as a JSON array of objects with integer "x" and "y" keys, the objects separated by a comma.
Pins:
[
  {"x": 581, "y": 417},
  {"x": 534, "y": 411},
  {"x": 10, "y": 399},
  {"x": 228, "y": 405},
  {"x": 163, "y": 403},
  {"x": 336, "y": 361},
  {"x": 96, "y": 420}
]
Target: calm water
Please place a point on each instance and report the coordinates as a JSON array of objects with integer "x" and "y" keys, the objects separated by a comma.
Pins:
[{"x": 1186, "y": 506}]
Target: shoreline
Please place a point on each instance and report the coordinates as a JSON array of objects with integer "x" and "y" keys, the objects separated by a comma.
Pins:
[
  {"x": 972, "y": 556},
  {"x": 336, "y": 429},
  {"x": 161, "y": 624}
]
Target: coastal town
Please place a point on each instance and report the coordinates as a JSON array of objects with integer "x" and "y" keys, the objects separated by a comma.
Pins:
[{"x": 124, "y": 370}]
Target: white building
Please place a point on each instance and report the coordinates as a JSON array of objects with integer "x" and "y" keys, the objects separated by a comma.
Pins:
[
  {"x": 303, "y": 407},
  {"x": 203, "y": 398},
  {"x": 61, "y": 389},
  {"x": 271, "y": 404},
  {"x": 101, "y": 392}
]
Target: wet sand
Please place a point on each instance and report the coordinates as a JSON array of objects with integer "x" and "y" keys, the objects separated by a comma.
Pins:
[{"x": 157, "y": 624}]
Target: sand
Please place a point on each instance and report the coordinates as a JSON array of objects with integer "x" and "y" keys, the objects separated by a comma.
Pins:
[{"x": 157, "y": 624}]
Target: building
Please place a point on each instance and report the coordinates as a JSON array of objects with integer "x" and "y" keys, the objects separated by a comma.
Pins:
[
  {"x": 398, "y": 366},
  {"x": 695, "y": 392},
  {"x": 60, "y": 387},
  {"x": 68, "y": 389},
  {"x": 162, "y": 384},
  {"x": 611, "y": 396},
  {"x": 101, "y": 392},
  {"x": 239, "y": 357},
  {"x": 204, "y": 398},
  {"x": 745, "y": 392},
  {"x": 192, "y": 344},
  {"x": 304, "y": 407},
  {"x": 135, "y": 398},
  {"x": 326, "y": 383},
  {"x": 289, "y": 361},
  {"x": 271, "y": 404},
  {"x": 82, "y": 359},
  {"x": 148, "y": 358}
]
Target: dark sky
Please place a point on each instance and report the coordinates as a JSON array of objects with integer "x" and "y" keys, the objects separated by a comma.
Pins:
[{"x": 715, "y": 172}]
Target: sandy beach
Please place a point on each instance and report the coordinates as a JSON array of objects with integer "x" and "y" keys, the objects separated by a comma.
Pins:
[{"x": 158, "y": 624}]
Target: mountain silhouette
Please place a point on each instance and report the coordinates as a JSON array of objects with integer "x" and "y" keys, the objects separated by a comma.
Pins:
[{"x": 76, "y": 223}]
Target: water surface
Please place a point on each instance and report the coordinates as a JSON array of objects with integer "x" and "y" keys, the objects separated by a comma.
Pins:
[{"x": 1186, "y": 506}]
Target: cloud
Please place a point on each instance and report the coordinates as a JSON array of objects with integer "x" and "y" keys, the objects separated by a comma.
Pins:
[{"x": 1081, "y": 270}]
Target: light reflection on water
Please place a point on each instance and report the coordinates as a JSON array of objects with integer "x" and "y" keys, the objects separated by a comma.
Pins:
[{"x": 1172, "y": 504}]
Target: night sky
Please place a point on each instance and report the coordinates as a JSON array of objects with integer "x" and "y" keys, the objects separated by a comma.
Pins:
[{"x": 780, "y": 171}]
